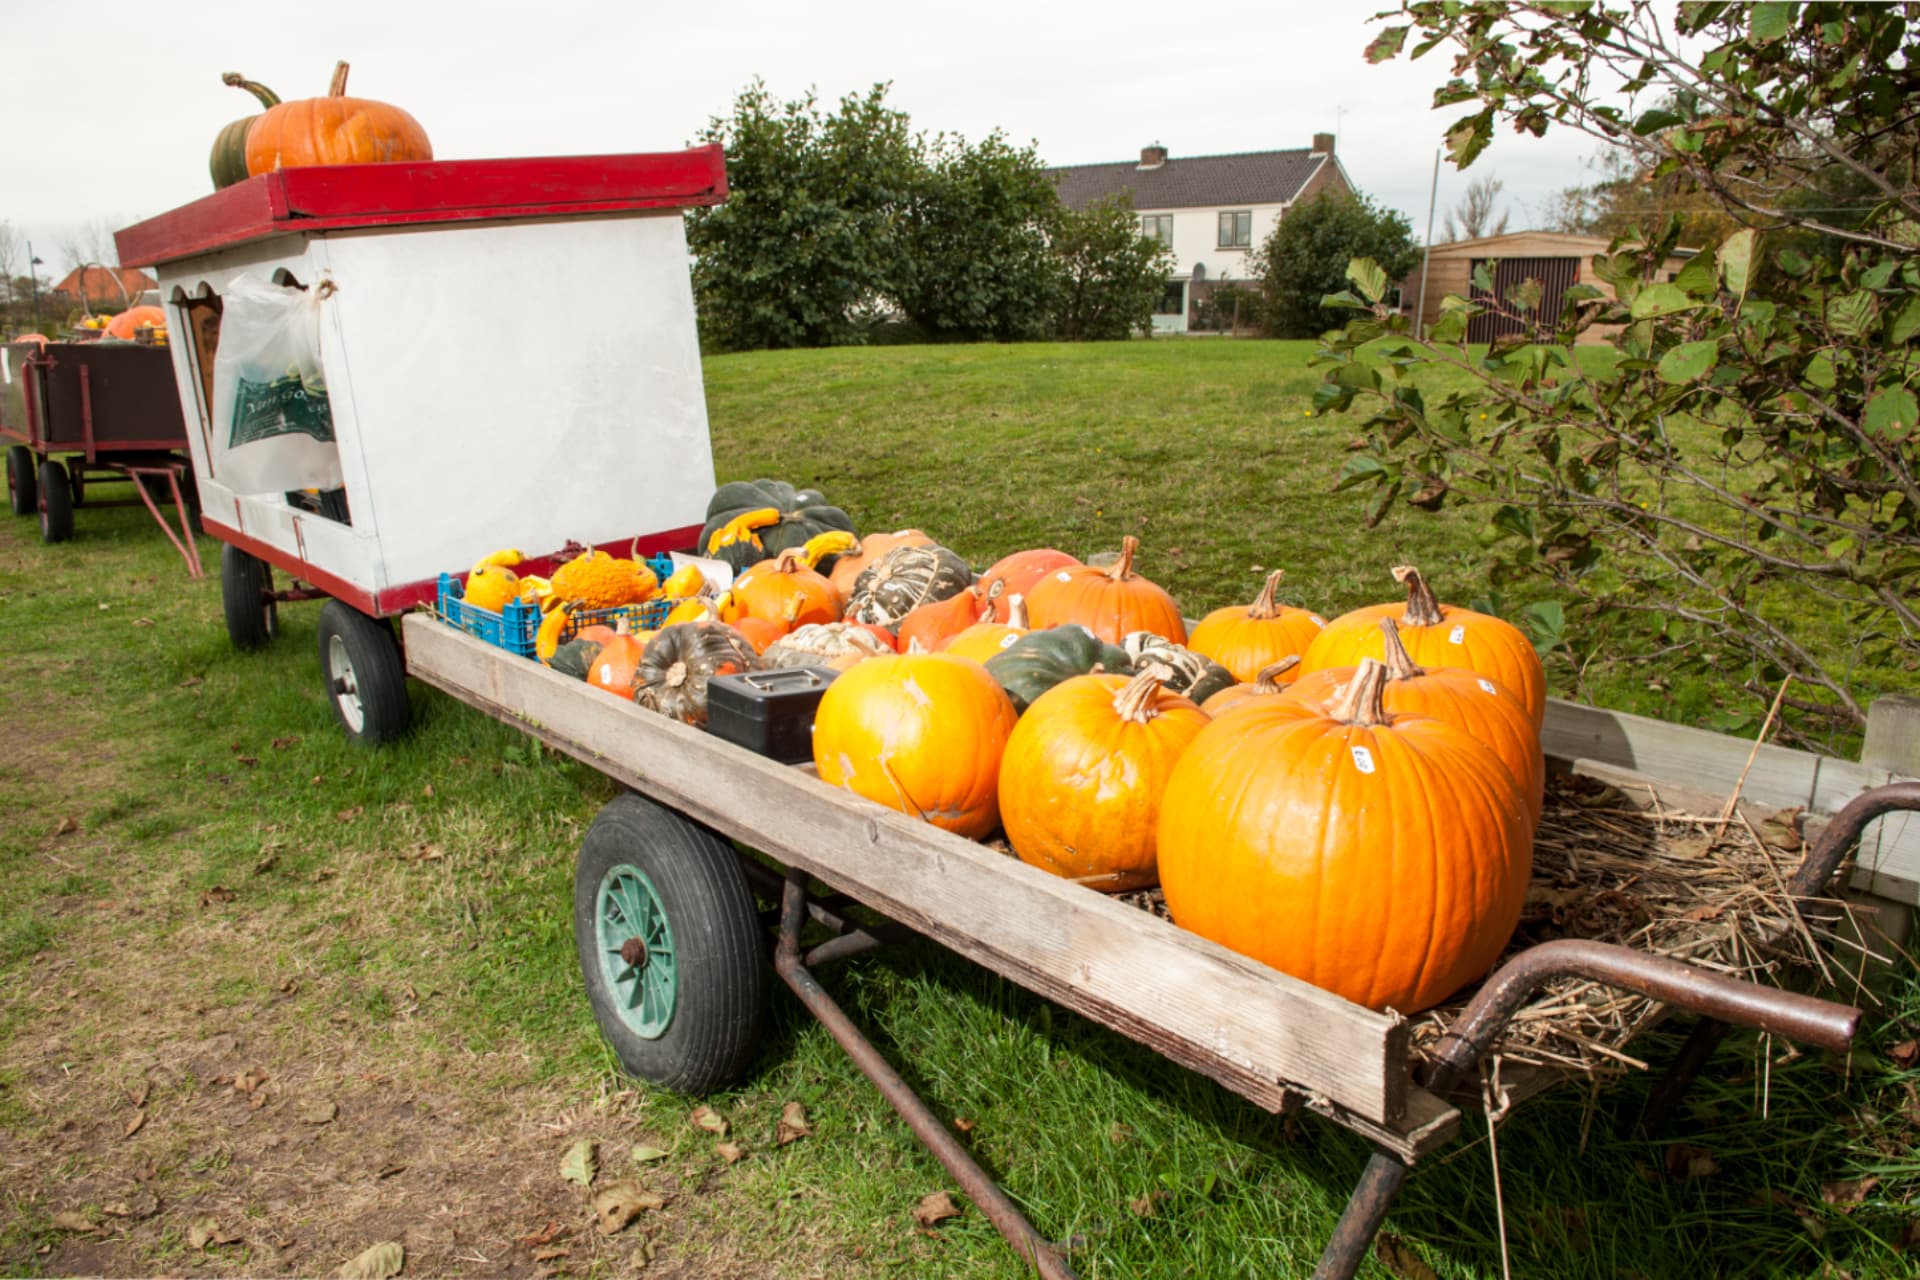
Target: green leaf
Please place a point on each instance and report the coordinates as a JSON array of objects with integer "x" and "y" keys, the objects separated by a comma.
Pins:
[
  {"x": 579, "y": 1164},
  {"x": 1697, "y": 277},
  {"x": 1512, "y": 522},
  {"x": 1387, "y": 44},
  {"x": 1483, "y": 277},
  {"x": 1655, "y": 120},
  {"x": 1769, "y": 21},
  {"x": 1891, "y": 411},
  {"x": 1735, "y": 261},
  {"x": 1362, "y": 468},
  {"x": 1794, "y": 263},
  {"x": 1377, "y": 505},
  {"x": 1451, "y": 327},
  {"x": 1852, "y": 314},
  {"x": 1663, "y": 300},
  {"x": 1905, "y": 324},
  {"x": 1546, "y": 620},
  {"x": 1368, "y": 277},
  {"x": 1344, "y": 298},
  {"x": 1689, "y": 360},
  {"x": 1525, "y": 295},
  {"x": 1469, "y": 137}
]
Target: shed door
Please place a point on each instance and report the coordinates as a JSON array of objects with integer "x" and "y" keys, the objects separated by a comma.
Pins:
[{"x": 1556, "y": 276}]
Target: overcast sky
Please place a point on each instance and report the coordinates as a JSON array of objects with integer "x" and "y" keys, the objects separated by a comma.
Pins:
[{"x": 113, "y": 107}]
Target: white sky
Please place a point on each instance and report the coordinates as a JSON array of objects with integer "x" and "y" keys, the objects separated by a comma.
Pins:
[{"x": 113, "y": 107}]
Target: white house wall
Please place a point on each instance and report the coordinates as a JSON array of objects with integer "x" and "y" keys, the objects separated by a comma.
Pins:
[{"x": 1196, "y": 239}]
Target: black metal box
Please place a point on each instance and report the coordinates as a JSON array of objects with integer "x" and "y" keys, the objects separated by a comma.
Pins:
[{"x": 768, "y": 712}]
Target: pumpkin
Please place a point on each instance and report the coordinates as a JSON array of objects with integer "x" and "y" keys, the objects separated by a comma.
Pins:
[
  {"x": 921, "y": 733},
  {"x": 770, "y": 515},
  {"x": 1110, "y": 602},
  {"x": 1270, "y": 681},
  {"x": 1040, "y": 660},
  {"x": 1383, "y": 857},
  {"x": 760, "y": 632},
  {"x": 575, "y": 657},
  {"x": 129, "y": 322},
  {"x": 904, "y": 579},
  {"x": 672, "y": 677},
  {"x": 1015, "y": 575},
  {"x": 1468, "y": 702},
  {"x": 1081, "y": 779},
  {"x": 228, "y": 161},
  {"x": 847, "y": 566},
  {"x": 615, "y": 665},
  {"x": 932, "y": 625},
  {"x": 1437, "y": 635},
  {"x": 786, "y": 591},
  {"x": 1247, "y": 638},
  {"x": 984, "y": 640},
  {"x": 838, "y": 645},
  {"x": 335, "y": 129},
  {"x": 1189, "y": 674}
]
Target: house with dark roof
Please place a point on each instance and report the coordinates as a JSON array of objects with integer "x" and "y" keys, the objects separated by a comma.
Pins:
[{"x": 1213, "y": 211}]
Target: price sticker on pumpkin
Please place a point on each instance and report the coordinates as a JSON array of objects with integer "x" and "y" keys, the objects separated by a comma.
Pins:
[
  {"x": 1457, "y": 636},
  {"x": 1363, "y": 759},
  {"x": 1487, "y": 685}
]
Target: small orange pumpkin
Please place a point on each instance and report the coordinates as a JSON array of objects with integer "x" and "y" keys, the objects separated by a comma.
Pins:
[
  {"x": 335, "y": 129},
  {"x": 1108, "y": 602},
  {"x": 1014, "y": 575},
  {"x": 935, "y": 623},
  {"x": 984, "y": 639},
  {"x": 760, "y": 632},
  {"x": 785, "y": 590},
  {"x": 1248, "y": 638},
  {"x": 1267, "y": 682},
  {"x": 125, "y": 325},
  {"x": 614, "y": 666}
]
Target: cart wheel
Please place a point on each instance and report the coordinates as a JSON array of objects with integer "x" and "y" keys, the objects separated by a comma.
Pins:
[
  {"x": 670, "y": 946},
  {"x": 246, "y": 591},
  {"x": 55, "y": 502},
  {"x": 22, "y": 492},
  {"x": 365, "y": 674}
]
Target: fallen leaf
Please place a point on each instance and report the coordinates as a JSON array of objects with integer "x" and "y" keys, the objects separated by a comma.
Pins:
[
  {"x": 252, "y": 762},
  {"x": 191, "y": 682},
  {"x": 257, "y": 1099},
  {"x": 266, "y": 864},
  {"x": 1906, "y": 1053},
  {"x": 642, "y": 1153},
  {"x": 548, "y": 1255},
  {"x": 135, "y": 1125},
  {"x": 963, "y": 1124},
  {"x": 205, "y": 1232},
  {"x": 1846, "y": 1196},
  {"x": 388, "y": 1169},
  {"x": 290, "y": 986},
  {"x": 348, "y": 815},
  {"x": 65, "y": 827},
  {"x": 138, "y": 1097},
  {"x": 318, "y": 1112},
  {"x": 731, "y": 1152},
  {"x": 1144, "y": 1205},
  {"x": 143, "y": 1204},
  {"x": 250, "y": 1079},
  {"x": 710, "y": 1120},
  {"x": 793, "y": 1124},
  {"x": 430, "y": 853},
  {"x": 1398, "y": 1257},
  {"x": 70, "y": 1220},
  {"x": 620, "y": 1204},
  {"x": 143, "y": 622},
  {"x": 378, "y": 1263},
  {"x": 219, "y": 893},
  {"x": 281, "y": 744},
  {"x": 1686, "y": 1162},
  {"x": 935, "y": 1208},
  {"x": 427, "y": 791},
  {"x": 1120, "y": 1135},
  {"x": 546, "y": 1235},
  {"x": 578, "y": 1165},
  {"x": 317, "y": 779}
]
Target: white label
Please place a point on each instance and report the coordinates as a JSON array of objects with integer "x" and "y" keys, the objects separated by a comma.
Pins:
[
  {"x": 1064, "y": 576},
  {"x": 1363, "y": 759},
  {"x": 606, "y": 673},
  {"x": 1318, "y": 621},
  {"x": 1487, "y": 685},
  {"x": 1006, "y": 641},
  {"x": 1457, "y": 636}
]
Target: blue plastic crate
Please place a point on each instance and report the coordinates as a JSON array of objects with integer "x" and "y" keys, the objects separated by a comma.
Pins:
[{"x": 513, "y": 628}]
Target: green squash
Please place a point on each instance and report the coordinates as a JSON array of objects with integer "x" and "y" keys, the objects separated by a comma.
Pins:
[
  {"x": 1196, "y": 677},
  {"x": 1040, "y": 660},
  {"x": 803, "y": 514},
  {"x": 575, "y": 658},
  {"x": 228, "y": 163},
  {"x": 904, "y": 579}
]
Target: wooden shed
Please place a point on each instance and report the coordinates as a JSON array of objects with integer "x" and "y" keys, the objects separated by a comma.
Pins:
[{"x": 1556, "y": 259}]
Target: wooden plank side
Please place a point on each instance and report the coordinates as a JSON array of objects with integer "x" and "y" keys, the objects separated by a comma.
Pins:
[{"x": 1119, "y": 966}]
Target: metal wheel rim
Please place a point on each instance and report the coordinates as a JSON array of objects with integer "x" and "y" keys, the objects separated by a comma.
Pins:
[
  {"x": 645, "y": 994},
  {"x": 346, "y": 689}
]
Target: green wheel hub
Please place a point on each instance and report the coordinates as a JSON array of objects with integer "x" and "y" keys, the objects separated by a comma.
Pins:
[{"x": 636, "y": 949}]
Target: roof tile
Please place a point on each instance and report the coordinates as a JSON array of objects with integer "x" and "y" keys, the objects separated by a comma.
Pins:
[{"x": 1246, "y": 178}]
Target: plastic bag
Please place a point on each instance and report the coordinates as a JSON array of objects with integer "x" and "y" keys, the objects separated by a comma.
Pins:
[{"x": 273, "y": 424}]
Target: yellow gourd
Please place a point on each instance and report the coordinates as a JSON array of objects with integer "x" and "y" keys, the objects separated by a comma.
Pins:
[{"x": 492, "y": 587}]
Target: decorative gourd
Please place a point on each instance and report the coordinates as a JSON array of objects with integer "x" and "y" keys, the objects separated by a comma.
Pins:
[
  {"x": 228, "y": 161},
  {"x": 796, "y": 516},
  {"x": 1270, "y": 681},
  {"x": 848, "y": 566},
  {"x": 921, "y": 733},
  {"x": 129, "y": 322},
  {"x": 1040, "y": 660},
  {"x": 1384, "y": 858},
  {"x": 575, "y": 657},
  {"x": 984, "y": 640},
  {"x": 597, "y": 580},
  {"x": 1437, "y": 635},
  {"x": 933, "y": 625},
  {"x": 491, "y": 587},
  {"x": 1189, "y": 674},
  {"x": 1247, "y": 638},
  {"x": 684, "y": 583},
  {"x": 838, "y": 645},
  {"x": 1109, "y": 602},
  {"x": 615, "y": 665},
  {"x": 698, "y": 609},
  {"x": 672, "y": 677},
  {"x": 546, "y": 640},
  {"x": 1015, "y": 575},
  {"x": 335, "y": 129},
  {"x": 904, "y": 579},
  {"x": 1083, "y": 772},
  {"x": 786, "y": 591},
  {"x": 1469, "y": 702}
]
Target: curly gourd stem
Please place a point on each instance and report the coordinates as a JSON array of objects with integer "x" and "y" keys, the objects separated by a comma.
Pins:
[
  {"x": 1400, "y": 663},
  {"x": 1135, "y": 700},
  {"x": 1360, "y": 702},
  {"x": 337, "y": 88},
  {"x": 1267, "y": 679},
  {"x": 1123, "y": 567},
  {"x": 1266, "y": 605},
  {"x": 268, "y": 98},
  {"x": 1422, "y": 609},
  {"x": 792, "y": 560}
]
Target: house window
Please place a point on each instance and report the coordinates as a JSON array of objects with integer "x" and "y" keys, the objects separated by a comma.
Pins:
[
  {"x": 1158, "y": 226},
  {"x": 1236, "y": 228}
]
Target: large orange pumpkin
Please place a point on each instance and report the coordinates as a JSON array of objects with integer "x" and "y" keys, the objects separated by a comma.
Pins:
[
  {"x": 125, "y": 325},
  {"x": 921, "y": 733},
  {"x": 1248, "y": 638},
  {"x": 1467, "y": 701},
  {"x": 1269, "y": 681},
  {"x": 335, "y": 129},
  {"x": 1014, "y": 575},
  {"x": 1382, "y": 857},
  {"x": 1109, "y": 602},
  {"x": 1082, "y": 776},
  {"x": 1437, "y": 635}
]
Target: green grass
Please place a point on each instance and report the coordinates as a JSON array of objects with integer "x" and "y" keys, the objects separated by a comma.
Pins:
[{"x": 420, "y": 897}]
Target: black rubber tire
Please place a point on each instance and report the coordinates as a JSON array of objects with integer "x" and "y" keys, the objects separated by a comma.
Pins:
[
  {"x": 246, "y": 594},
  {"x": 55, "y": 502},
  {"x": 721, "y": 992},
  {"x": 365, "y": 675},
  {"x": 22, "y": 489}
]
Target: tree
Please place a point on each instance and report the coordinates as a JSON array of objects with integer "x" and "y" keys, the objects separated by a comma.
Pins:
[
  {"x": 1306, "y": 256},
  {"x": 1111, "y": 276},
  {"x": 1475, "y": 212},
  {"x": 1741, "y": 481},
  {"x": 1624, "y": 195}
]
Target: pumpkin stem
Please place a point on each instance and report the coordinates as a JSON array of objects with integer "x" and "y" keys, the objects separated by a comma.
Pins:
[
  {"x": 338, "y": 87},
  {"x": 1267, "y": 679},
  {"x": 914, "y": 645},
  {"x": 1422, "y": 609},
  {"x": 1135, "y": 699},
  {"x": 1400, "y": 663},
  {"x": 676, "y": 675},
  {"x": 1360, "y": 702},
  {"x": 268, "y": 98},
  {"x": 1123, "y": 567},
  {"x": 1017, "y": 612},
  {"x": 1266, "y": 605},
  {"x": 790, "y": 560}
]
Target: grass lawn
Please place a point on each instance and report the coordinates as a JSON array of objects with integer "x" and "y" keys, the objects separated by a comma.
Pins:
[{"x": 199, "y": 881}]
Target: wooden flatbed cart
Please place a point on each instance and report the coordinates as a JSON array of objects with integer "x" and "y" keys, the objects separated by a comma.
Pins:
[
  {"x": 75, "y": 411},
  {"x": 674, "y": 953}
]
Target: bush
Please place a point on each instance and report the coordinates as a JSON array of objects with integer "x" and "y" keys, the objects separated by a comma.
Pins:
[
  {"x": 1110, "y": 276},
  {"x": 1306, "y": 256}
]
